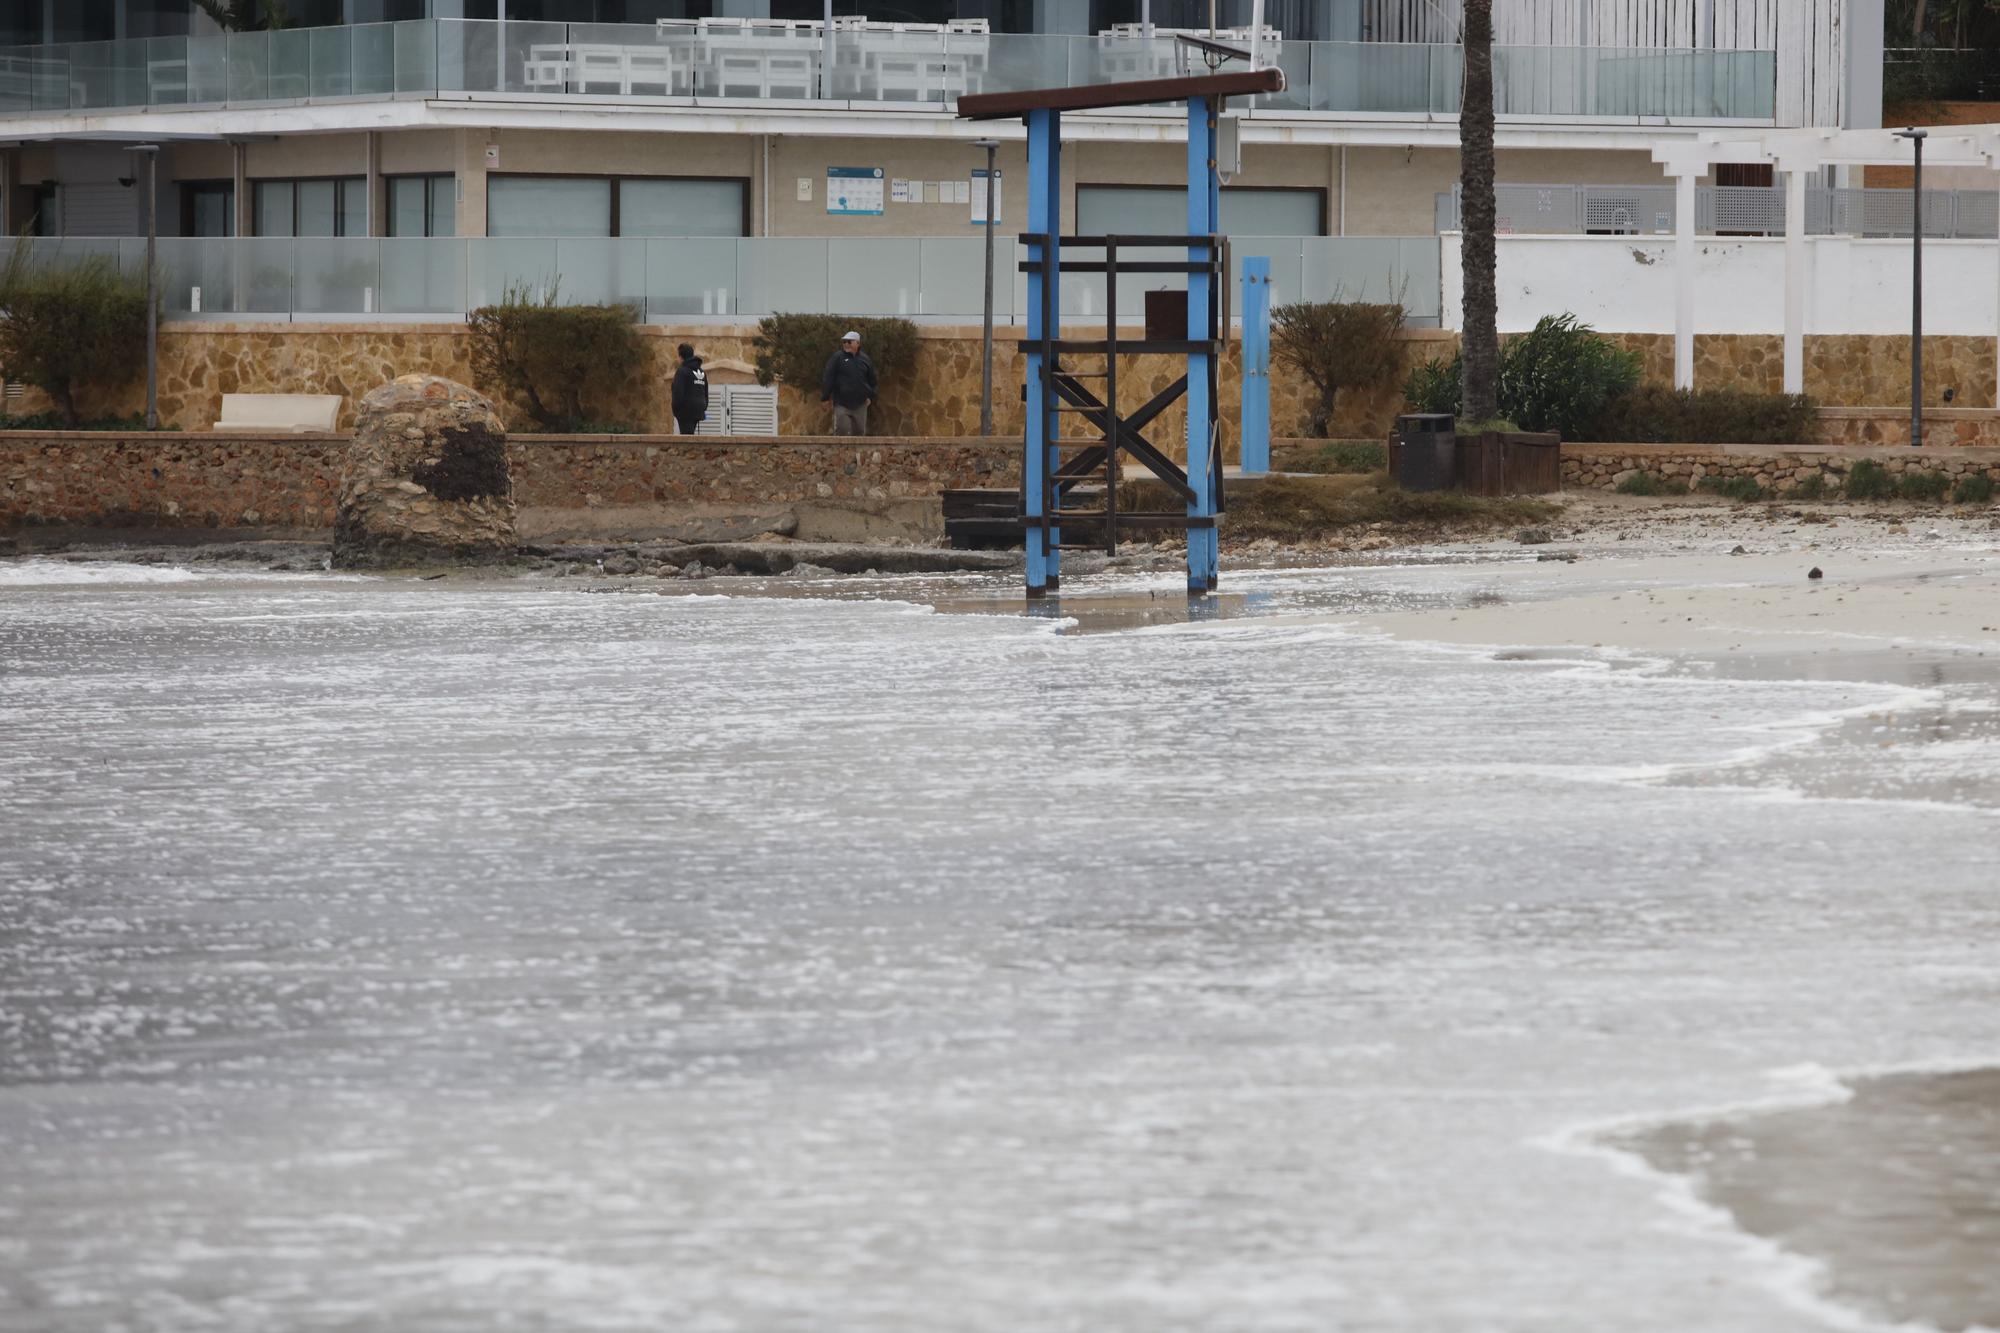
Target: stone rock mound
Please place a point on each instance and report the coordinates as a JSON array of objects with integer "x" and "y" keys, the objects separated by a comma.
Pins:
[{"x": 425, "y": 479}]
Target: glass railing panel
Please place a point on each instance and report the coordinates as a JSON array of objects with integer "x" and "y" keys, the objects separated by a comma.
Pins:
[
  {"x": 1296, "y": 60},
  {"x": 1287, "y": 256},
  {"x": 873, "y": 276},
  {"x": 290, "y": 77},
  {"x": 602, "y": 270},
  {"x": 16, "y": 79},
  {"x": 692, "y": 275},
  {"x": 107, "y": 74},
  {"x": 337, "y": 276},
  {"x": 198, "y": 277},
  {"x": 208, "y": 69},
  {"x": 331, "y": 62},
  {"x": 1369, "y": 76},
  {"x": 627, "y": 59},
  {"x": 952, "y": 276},
  {"x": 916, "y": 68},
  {"x": 782, "y": 273},
  {"x": 48, "y": 77},
  {"x": 504, "y": 268},
  {"x": 1023, "y": 61},
  {"x": 423, "y": 276},
  {"x": 249, "y": 67},
  {"x": 1112, "y": 59},
  {"x": 264, "y": 274},
  {"x": 760, "y": 65},
  {"x": 417, "y": 69},
  {"x": 371, "y": 60}
]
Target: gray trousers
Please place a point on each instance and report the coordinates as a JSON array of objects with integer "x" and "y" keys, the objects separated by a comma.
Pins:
[{"x": 850, "y": 420}]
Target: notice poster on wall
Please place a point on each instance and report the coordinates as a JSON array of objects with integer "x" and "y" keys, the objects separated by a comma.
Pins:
[
  {"x": 977, "y": 192},
  {"x": 854, "y": 190}
]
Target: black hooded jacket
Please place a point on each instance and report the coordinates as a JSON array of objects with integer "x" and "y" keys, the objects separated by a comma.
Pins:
[{"x": 690, "y": 395}]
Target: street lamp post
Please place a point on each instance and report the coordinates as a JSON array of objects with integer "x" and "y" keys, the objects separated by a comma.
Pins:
[
  {"x": 151, "y": 153},
  {"x": 992, "y": 147},
  {"x": 1916, "y": 138}
]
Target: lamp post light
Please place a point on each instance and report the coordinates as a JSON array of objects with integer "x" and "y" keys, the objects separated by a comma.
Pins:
[
  {"x": 151, "y": 153},
  {"x": 1916, "y": 138},
  {"x": 992, "y": 147}
]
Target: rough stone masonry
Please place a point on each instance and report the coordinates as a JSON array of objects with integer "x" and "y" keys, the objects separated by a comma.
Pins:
[{"x": 425, "y": 479}]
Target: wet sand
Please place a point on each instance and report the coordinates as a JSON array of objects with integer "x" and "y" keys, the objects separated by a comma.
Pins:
[{"x": 1896, "y": 1191}]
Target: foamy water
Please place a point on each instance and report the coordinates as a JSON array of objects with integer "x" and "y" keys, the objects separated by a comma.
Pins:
[{"x": 419, "y": 956}]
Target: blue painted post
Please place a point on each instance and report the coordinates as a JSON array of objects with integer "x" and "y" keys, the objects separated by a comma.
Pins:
[
  {"x": 1039, "y": 451},
  {"x": 1204, "y": 208},
  {"x": 1256, "y": 364}
]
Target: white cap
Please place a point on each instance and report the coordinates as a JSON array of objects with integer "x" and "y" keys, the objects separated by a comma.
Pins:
[{"x": 850, "y": 337}]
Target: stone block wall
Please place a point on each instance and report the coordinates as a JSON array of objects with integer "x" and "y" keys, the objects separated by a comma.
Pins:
[
  {"x": 200, "y": 481},
  {"x": 199, "y": 362},
  {"x": 1606, "y": 466}
]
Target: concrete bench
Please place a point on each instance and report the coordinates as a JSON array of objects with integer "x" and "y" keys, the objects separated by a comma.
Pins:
[{"x": 294, "y": 413}]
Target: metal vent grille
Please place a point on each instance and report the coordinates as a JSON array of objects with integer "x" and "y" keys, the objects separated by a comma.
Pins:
[{"x": 750, "y": 409}]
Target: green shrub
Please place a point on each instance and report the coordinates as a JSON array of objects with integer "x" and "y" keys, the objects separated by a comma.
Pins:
[
  {"x": 1812, "y": 488},
  {"x": 1733, "y": 488},
  {"x": 1869, "y": 480},
  {"x": 796, "y": 348},
  {"x": 1655, "y": 414},
  {"x": 1561, "y": 377},
  {"x": 66, "y": 326},
  {"x": 1337, "y": 345},
  {"x": 547, "y": 356},
  {"x": 1435, "y": 385},
  {"x": 1975, "y": 489},
  {"x": 1929, "y": 487},
  {"x": 1648, "y": 483},
  {"x": 1348, "y": 456}
]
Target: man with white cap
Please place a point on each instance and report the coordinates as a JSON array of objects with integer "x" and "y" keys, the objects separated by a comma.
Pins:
[{"x": 849, "y": 384}]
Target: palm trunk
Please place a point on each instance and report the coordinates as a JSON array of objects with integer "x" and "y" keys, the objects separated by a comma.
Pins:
[{"x": 1475, "y": 148}]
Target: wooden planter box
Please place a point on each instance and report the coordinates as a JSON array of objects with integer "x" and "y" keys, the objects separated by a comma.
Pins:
[{"x": 1509, "y": 463}]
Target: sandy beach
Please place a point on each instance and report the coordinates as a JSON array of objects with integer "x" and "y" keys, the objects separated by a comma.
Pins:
[{"x": 1673, "y": 581}]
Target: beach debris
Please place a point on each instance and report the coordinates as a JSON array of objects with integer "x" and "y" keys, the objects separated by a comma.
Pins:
[
  {"x": 1533, "y": 537},
  {"x": 693, "y": 570},
  {"x": 1739, "y": 550},
  {"x": 1815, "y": 573},
  {"x": 1558, "y": 557}
]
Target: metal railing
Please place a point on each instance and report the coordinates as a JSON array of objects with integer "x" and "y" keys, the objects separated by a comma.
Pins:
[
  {"x": 432, "y": 57},
  {"x": 671, "y": 279},
  {"x": 1731, "y": 210}
]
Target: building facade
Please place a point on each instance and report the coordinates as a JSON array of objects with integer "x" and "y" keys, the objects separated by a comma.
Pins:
[{"x": 660, "y": 120}]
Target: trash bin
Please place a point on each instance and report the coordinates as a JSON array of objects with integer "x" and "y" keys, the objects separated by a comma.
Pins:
[{"x": 1427, "y": 451}]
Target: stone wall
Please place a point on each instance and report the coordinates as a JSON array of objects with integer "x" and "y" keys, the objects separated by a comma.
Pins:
[
  {"x": 1605, "y": 466},
  {"x": 199, "y": 362},
  {"x": 231, "y": 481}
]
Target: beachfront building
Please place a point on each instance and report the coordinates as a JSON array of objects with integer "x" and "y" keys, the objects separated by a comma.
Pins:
[{"x": 664, "y": 148}]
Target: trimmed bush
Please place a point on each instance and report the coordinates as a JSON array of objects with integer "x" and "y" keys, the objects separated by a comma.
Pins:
[
  {"x": 1733, "y": 488},
  {"x": 1348, "y": 456},
  {"x": 795, "y": 348},
  {"x": 1929, "y": 487},
  {"x": 65, "y": 327},
  {"x": 1812, "y": 488},
  {"x": 1976, "y": 489},
  {"x": 1648, "y": 483},
  {"x": 546, "y": 356},
  {"x": 1655, "y": 414},
  {"x": 1337, "y": 345},
  {"x": 1560, "y": 377},
  {"x": 1869, "y": 480}
]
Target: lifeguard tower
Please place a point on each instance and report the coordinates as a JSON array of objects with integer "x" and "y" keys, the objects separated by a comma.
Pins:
[{"x": 1056, "y": 463}]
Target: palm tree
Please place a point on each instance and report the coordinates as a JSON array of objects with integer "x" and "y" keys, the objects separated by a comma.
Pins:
[{"x": 1481, "y": 338}]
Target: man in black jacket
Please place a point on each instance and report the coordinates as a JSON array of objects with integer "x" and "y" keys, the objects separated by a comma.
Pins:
[
  {"x": 690, "y": 393},
  {"x": 849, "y": 384}
]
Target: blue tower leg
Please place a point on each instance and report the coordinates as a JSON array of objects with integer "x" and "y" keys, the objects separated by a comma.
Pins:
[
  {"x": 1256, "y": 364},
  {"x": 1204, "y": 209},
  {"x": 1040, "y": 454}
]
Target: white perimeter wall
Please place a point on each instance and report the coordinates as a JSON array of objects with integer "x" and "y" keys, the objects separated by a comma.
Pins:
[{"x": 1626, "y": 284}]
